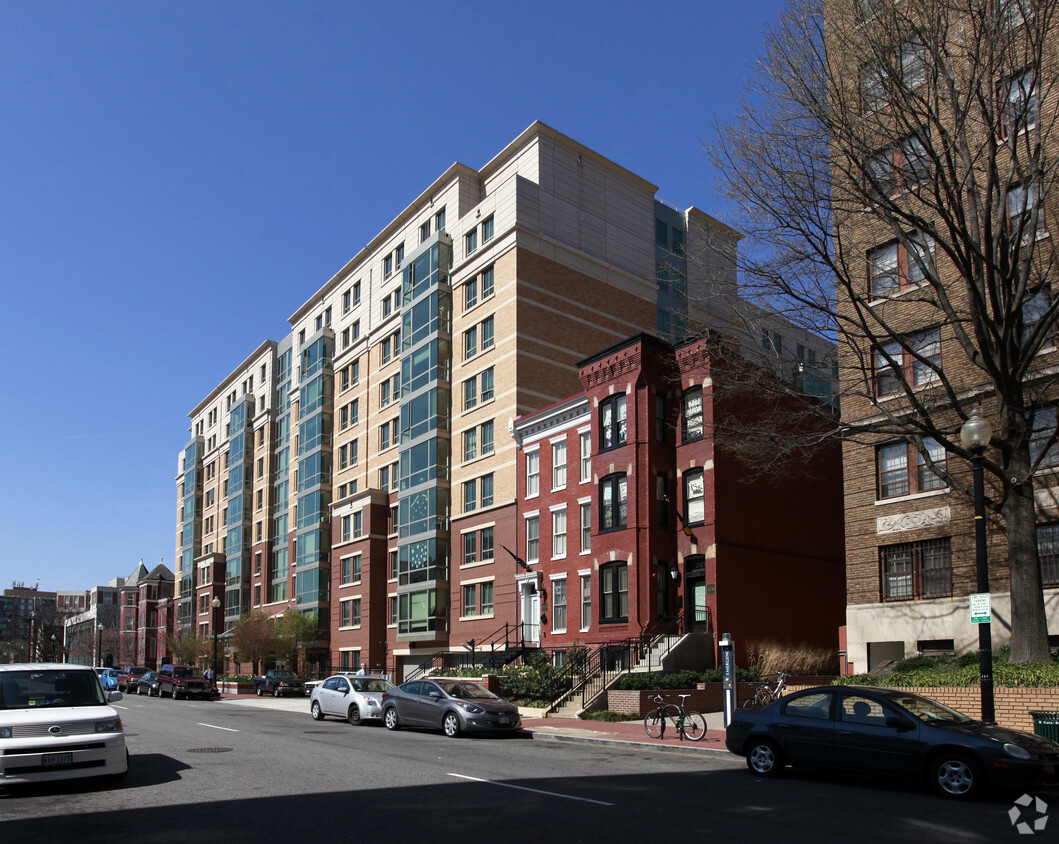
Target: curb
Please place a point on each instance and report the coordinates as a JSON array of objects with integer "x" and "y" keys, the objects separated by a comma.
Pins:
[{"x": 628, "y": 745}]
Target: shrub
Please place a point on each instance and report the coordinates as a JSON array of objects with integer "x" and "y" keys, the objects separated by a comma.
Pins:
[
  {"x": 802, "y": 658},
  {"x": 680, "y": 679},
  {"x": 608, "y": 715},
  {"x": 963, "y": 673}
]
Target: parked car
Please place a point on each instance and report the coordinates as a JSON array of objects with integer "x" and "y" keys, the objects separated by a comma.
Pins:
[
  {"x": 891, "y": 732},
  {"x": 108, "y": 678},
  {"x": 129, "y": 677},
  {"x": 454, "y": 706},
  {"x": 148, "y": 684},
  {"x": 279, "y": 681},
  {"x": 46, "y": 712},
  {"x": 183, "y": 681},
  {"x": 357, "y": 698}
]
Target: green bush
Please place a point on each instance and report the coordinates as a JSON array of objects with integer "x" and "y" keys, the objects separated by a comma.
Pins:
[
  {"x": 609, "y": 715},
  {"x": 963, "y": 672},
  {"x": 533, "y": 681}
]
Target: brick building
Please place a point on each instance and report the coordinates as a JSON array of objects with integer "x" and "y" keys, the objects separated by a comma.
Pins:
[
  {"x": 634, "y": 517},
  {"x": 942, "y": 224},
  {"x": 143, "y": 625}
]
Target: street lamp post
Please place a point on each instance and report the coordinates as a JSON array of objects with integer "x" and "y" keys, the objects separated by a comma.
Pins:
[
  {"x": 216, "y": 606},
  {"x": 975, "y": 435},
  {"x": 99, "y": 645}
]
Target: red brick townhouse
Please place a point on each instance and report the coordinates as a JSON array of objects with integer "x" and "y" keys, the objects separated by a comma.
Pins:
[
  {"x": 145, "y": 620},
  {"x": 634, "y": 518}
]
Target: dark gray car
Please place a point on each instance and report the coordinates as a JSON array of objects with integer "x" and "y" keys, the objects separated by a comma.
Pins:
[
  {"x": 148, "y": 684},
  {"x": 891, "y": 732},
  {"x": 454, "y": 706}
]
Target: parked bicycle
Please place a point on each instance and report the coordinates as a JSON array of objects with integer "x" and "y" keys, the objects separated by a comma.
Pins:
[
  {"x": 766, "y": 693},
  {"x": 688, "y": 724}
]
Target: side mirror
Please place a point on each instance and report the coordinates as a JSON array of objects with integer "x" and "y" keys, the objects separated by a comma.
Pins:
[
  {"x": 436, "y": 695},
  {"x": 114, "y": 696}
]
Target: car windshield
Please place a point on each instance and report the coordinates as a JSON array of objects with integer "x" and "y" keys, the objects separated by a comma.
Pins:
[
  {"x": 362, "y": 684},
  {"x": 467, "y": 691},
  {"x": 284, "y": 675},
  {"x": 37, "y": 689},
  {"x": 926, "y": 709},
  {"x": 186, "y": 672}
]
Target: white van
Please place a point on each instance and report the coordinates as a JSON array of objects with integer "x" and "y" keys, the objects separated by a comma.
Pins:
[{"x": 55, "y": 724}]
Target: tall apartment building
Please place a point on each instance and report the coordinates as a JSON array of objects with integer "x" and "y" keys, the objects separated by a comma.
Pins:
[
  {"x": 334, "y": 470},
  {"x": 930, "y": 215}
]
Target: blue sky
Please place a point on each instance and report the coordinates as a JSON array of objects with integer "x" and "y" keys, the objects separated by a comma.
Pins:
[{"x": 176, "y": 179}]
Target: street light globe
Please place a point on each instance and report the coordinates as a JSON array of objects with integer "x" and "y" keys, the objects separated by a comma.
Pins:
[
  {"x": 976, "y": 431},
  {"x": 216, "y": 603}
]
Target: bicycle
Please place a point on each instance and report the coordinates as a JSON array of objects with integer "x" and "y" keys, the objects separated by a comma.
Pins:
[
  {"x": 766, "y": 694},
  {"x": 688, "y": 723}
]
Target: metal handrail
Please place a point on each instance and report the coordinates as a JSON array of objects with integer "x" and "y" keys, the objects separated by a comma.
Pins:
[{"x": 445, "y": 659}]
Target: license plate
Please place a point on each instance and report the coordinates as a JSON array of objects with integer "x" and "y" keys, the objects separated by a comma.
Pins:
[
  {"x": 504, "y": 720},
  {"x": 56, "y": 760}
]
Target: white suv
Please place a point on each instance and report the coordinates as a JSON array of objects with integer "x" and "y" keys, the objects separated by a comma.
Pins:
[{"x": 55, "y": 724}]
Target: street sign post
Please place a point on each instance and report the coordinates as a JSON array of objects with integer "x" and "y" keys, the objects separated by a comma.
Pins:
[{"x": 981, "y": 609}]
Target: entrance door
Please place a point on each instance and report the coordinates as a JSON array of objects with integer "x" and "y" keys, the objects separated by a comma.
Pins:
[
  {"x": 698, "y": 612},
  {"x": 531, "y": 612}
]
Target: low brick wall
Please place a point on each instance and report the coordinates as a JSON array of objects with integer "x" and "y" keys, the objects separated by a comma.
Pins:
[
  {"x": 1013, "y": 706},
  {"x": 708, "y": 697}
]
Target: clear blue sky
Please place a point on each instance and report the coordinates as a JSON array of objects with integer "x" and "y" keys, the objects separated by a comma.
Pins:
[{"x": 176, "y": 179}]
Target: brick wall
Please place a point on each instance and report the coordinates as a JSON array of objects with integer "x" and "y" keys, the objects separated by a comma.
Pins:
[{"x": 1013, "y": 706}]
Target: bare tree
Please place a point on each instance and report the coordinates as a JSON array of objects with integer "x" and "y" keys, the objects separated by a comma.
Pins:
[
  {"x": 185, "y": 647},
  {"x": 925, "y": 127},
  {"x": 296, "y": 629},
  {"x": 253, "y": 637}
]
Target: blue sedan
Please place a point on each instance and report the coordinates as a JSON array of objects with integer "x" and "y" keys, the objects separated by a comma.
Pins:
[
  {"x": 108, "y": 678},
  {"x": 891, "y": 732}
]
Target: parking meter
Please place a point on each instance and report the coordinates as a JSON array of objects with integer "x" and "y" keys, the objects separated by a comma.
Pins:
[{"x": 728, "y": 677}]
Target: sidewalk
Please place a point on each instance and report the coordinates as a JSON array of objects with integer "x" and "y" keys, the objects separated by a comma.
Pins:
[{"x": 617, "y": 733}]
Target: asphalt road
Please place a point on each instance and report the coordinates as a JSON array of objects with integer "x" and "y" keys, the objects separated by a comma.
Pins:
[{"x": 220, "y": 771}]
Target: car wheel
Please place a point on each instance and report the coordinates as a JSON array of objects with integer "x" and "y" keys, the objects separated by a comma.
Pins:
[
  {"x": 956, "y": 776},
  {"x": 450, "y": 724},
  {"x": 317, "y": 712},
  {"x": 764, "y": 759},
  {"x": 275, "y": 692},
  {"x": 353, "y": 716},
  {"x": 260, "y": 692},
  {"x": 391, "y": 720}
]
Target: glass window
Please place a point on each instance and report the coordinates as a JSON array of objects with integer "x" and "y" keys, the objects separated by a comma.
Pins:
[
  {"x": 559, "y": 533},
  {"x": 586, "y": 456},
  {"x": 693, "y": 421},
  {"x": 487, "y": 437},
  {"x": 487, "y": 384},
  {"x": 614, "y": 586},
  {"x": 695, "y": 497},
  {"x": 586, "y": 601},
  {"x": 558, "y": 465},
  {"x": 612, "y": 421},
  {"x": 487, "y": 333},
  {"x": 471, "y": 241},
  {"x": 470, "y": 599},
  {"x": 487, "y": 282},
  {"x": 1048, "y": 553},
  {"x": 487, "y": 230},
  {"x": 533, "y": 473},
  {"x": 559, "y": 605},
  {"x": 586, "y": 527},
  {"x": 916, "y": 570},
  {"x": 533, "y": 539},
  {"x": 470, "y": 547},
  {"x": 613, "y": 503},
  {"x": 485, "y": 591}
]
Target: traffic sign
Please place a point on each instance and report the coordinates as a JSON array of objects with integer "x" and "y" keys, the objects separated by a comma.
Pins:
[{"x": 980, "y": 608}]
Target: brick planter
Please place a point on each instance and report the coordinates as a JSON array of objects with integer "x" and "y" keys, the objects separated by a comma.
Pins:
[{"x": 706, "y": 697}]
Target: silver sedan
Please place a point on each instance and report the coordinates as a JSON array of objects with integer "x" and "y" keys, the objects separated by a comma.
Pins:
[
  {"x": 355, "y": 697},
  {"x": 453, "y": 706}
]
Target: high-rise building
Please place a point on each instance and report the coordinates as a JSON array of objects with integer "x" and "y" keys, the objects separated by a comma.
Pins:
[{"x": 334, "y": 470}]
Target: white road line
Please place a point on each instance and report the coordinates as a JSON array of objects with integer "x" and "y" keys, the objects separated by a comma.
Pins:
[
  {"x": 534, "y": 790},
  {"x": 215, "y": 727}
]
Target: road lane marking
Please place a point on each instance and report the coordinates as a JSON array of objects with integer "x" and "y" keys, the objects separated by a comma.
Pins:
[
  {"x": 534, "y": 790},
  {"x": 215, "y": 727}
]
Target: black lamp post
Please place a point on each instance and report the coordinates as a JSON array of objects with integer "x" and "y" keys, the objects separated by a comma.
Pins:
[
  {"x": 216, "y": 606},
  {"x": 975, "y": 435},
  {"x": 99, "y": 645}
]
